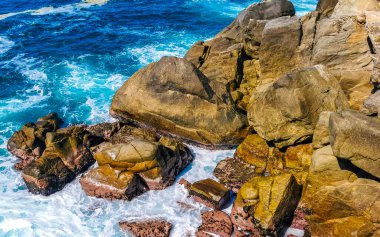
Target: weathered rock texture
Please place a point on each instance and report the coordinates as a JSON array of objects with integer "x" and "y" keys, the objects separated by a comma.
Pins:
[
  {"x": 67, "y": 154},
  {"x": 356, "y": 137},
  {"x": 293, "y": 104},
  {"x": 157, "y": 228},
  {"x": 28, "y": 144},
  {"x": 340, "y": 203},
  {"x": 133, "y": 161},
  {"x": 164, "y": 95},
  {"x": 215, "y": 222},
  {"x": 265, "y": 204}
]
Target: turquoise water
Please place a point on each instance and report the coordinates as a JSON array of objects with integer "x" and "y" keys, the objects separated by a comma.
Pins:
[{"x": 70, "y": 57}]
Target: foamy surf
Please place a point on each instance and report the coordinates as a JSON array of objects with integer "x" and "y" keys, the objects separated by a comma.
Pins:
[
  {"x": 5, "y": 44},
  {"x": 54, "y": 10}
]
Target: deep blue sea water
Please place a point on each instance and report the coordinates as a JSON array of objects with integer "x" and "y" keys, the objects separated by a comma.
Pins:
[{"x": 70, "y": 57}]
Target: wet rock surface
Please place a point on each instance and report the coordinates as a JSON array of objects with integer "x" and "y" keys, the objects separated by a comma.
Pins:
[{"x": 210, "y": 193}]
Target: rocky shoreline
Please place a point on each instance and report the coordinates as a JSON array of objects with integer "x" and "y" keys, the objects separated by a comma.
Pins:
[{"x": 296, "y": 95}]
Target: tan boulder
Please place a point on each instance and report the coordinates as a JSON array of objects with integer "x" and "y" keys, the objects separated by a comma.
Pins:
[
  {"x": 341, "y": 45},
  {"x": 279, "y": 47},
  {"x": 164, "y": 94},
  {"x": 264, "y": 204},
  {"x": 287, "y": 111},
  {"x": 355, "y": 7},
  {"x": 298, "y": 156},
  {"x": 354, "y": 136}
]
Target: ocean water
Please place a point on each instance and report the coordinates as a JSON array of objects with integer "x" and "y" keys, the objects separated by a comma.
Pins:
[{"x": 70, "y": 57}]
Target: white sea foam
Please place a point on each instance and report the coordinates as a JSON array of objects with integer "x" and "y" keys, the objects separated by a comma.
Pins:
[
  {"x": 53, "y": 10},
  {"x": 151, "y": 53},
  {"x": 71, "y": 213},
  {"x": 5, "y": 44}
]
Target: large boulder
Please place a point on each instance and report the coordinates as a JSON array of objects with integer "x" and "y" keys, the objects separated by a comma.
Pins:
[
  {"x": 264, "y": 205},
  {"x": 341, "y": 44},
  {"x": 164, "y": 94},
  {"x": 293, "y": 104},
  {"x": 264, "y": 10},
  {"x": 326, "y": 7},
  {"x": 355, "y": 137},
  {"x": 355, "y": 7},
  {"x": 279, "y": 47},
  {"x": 28, "y": 143}
]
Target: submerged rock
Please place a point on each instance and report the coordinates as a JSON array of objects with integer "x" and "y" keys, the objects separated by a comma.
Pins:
[
  {"x": 293, "y": 104},
  {"x": 355, "y": 137},
  {"x": 28, "y": 144},
  {"x": 216, "y": 223},
  {"x": 164, "y": 94},
  {"x": 210, "y": 193},
  {"x": 156, "y": 228},
  {"x": 264, "y": 205}
]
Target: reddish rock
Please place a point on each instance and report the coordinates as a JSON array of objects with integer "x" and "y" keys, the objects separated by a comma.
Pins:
[
  {"x": 215, "y": 222},
  {"x": 210, "y": 193},
  {"x": 185, "y": 183},
  {"x": 147, "y": 228},
  {"x": 233, "y": 173}
]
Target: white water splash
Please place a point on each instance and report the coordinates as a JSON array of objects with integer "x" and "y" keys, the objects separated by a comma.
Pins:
[{"x": 5, "y": 44}]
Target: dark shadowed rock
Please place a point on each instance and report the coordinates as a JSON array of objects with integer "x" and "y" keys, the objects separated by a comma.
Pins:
[
  {"x": 293, "y": 104},
  {"x": 164, "y": 94},
  {"x": 326, "y": 7},
  {"x": 147, "y": 228},
  {"x": 215, "y": 222},
  {"x": 28, "y": 144},
  {"x": 233, "y": 173},
  {"x": 354, "y": 136},
  {"x": 210, "y": 193},
  {"x": 47, "y": 175},
  {"x": 66, "y": 155}
]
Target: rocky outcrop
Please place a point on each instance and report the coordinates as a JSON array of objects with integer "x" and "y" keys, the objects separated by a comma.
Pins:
[
  {"x": 164, "y": 95},
  {"x": 28, "y": 144},
  {"x": 326, "y": 7},
  {"x": 210, "y": 193},
  {"x": 216, "y": 223},
  {"x": 157, "y": 228},
  {"x": 278, "y": 50},
  {"x": 340, "y": 203},
  {"x": 135, "y": 166},
  {"x": 294, "y": 103},
  {"x": 355, "y": 137},
  {"x": 67, "y": 154},
  {"x": 265, "y": 204}
]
